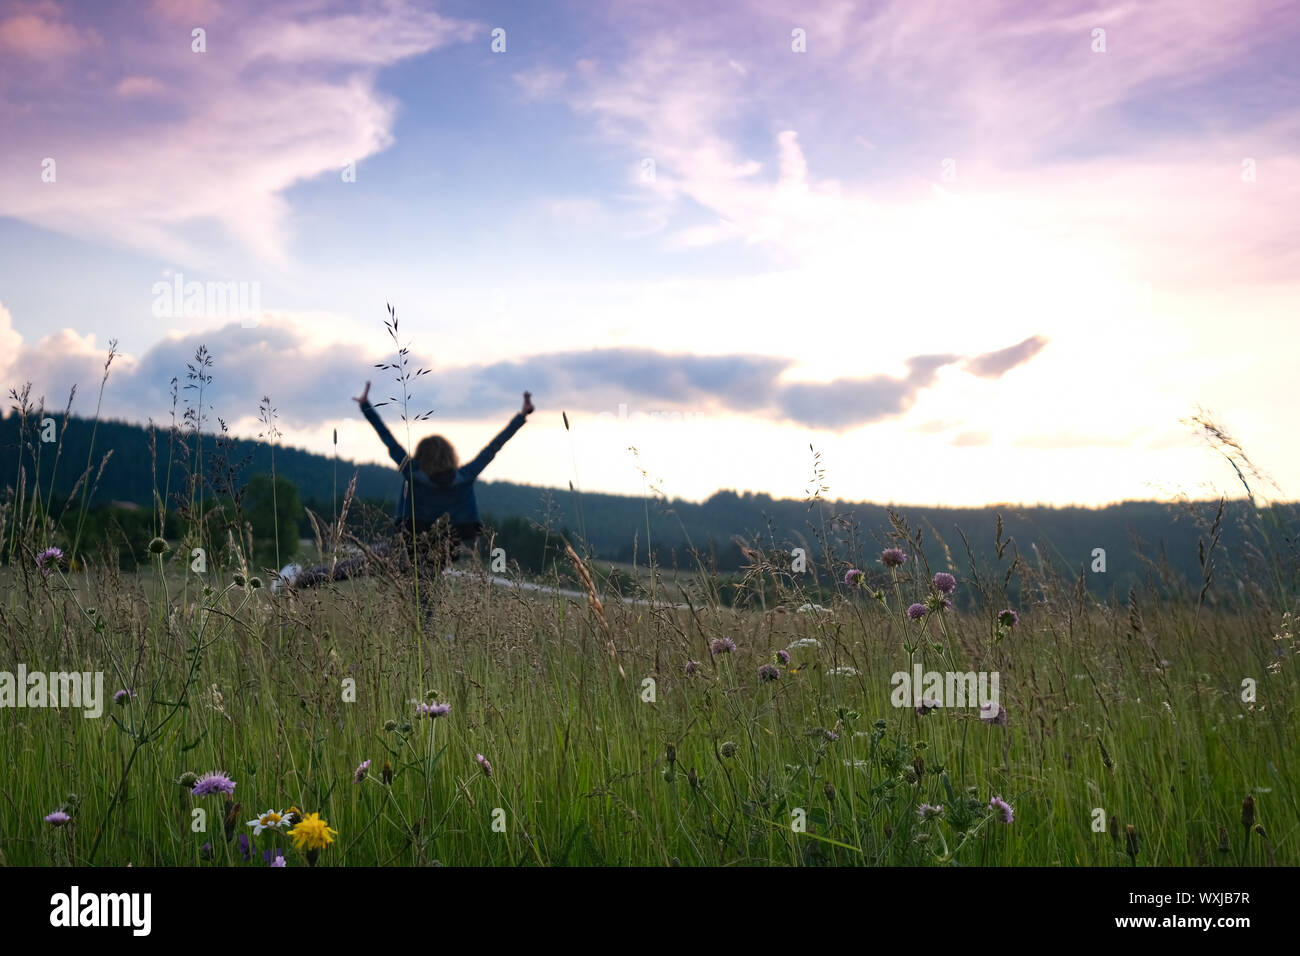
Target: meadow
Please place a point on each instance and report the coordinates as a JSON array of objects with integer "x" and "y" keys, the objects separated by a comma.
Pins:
[
  {"x": 601, "y": 733},
  {"x": 416, "y": 719}
]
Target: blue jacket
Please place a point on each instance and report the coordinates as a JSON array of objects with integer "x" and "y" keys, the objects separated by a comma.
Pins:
[{"x": 432, "y": 500}]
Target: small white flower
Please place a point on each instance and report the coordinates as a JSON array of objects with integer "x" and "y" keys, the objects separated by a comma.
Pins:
[
  {"x": 842, "y": 672},
  {"x": 270, "y": 820},
  {"x": 804, "y": 642}
]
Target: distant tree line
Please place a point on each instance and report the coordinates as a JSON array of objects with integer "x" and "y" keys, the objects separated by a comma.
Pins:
[{"x": 1139, "y": 543}]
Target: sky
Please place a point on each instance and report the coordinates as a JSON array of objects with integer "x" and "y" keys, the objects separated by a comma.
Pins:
[{"x": 965, "y": 253}]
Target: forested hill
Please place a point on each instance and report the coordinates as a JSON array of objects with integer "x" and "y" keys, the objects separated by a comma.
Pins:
[{"x": 619, "y": 528}]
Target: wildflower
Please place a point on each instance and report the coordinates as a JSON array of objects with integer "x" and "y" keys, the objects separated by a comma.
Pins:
[
  {"x": 255, "y": 583},
  {"x": 768, "y": 673},
  {"x": 722, "y": 645},
  {"x": 927, "y": 812},
  {"x": 783, "y": 657},
  {"x": 157, "y": 546},
  {"x": 945, "y": 583},
  {"x": 992, "y": 713},
  {"x": 916, "y": 611},
  {"x": 214, "y": 782},
  {"x": 279, "y": 859},
  {"x": 205, "y": 851},
  {"x": 1008, "y": 617},
  {"x": 830, "y": 735},
  {"x": 58, "y": 818},
  {"x": 1248, "y": 813},
  {"x": 1131, "y": 842},
  {"x": 390, "y": 725},
  {"x": 926, "y": 705},
  {"x": 729, "y": 748},
  {"x": 270, "y": 820},
  {"x": 692, "y": 667},
  {"x": 853, "y": 577},
  {"x": 360, "y": 773},
  {"x": 49, "y": 555},
  {"x": 892, "y": 557},
  {"x": 842, "y": 672},
  {"x": 122, "y": 696},
  {"x": 483, "y": 762},
  {"x": 312, "y": 833},
  {"x": 998, "y": 805},
  {"x": 670, "y": 753},
  {"x": 245, "y": 848},
  {"x": 240, "y": 580},
  {"x": 387, "y": 773},
  {"x": 805, "y": 642},
  {"x": 188, "y": 779},
  {"x": 433, "y": 711}
]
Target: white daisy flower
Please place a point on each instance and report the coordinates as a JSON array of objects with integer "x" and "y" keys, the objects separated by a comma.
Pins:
[{"x": 270, "y": 820}]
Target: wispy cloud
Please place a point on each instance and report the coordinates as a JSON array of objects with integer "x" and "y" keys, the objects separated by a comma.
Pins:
[{"x": 281, "y": 94}]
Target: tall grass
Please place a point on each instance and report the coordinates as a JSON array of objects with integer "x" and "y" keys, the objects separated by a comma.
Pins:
[{"x": 616, "y": 734}]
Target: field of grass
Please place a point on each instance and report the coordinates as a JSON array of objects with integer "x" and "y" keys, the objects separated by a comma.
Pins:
[{"x": 1128, "y": 738}]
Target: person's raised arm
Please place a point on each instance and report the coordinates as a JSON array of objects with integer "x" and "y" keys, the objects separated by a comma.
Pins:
[
  {"x": 487, "y": 454},
  {"x": 395, "y": 450}
]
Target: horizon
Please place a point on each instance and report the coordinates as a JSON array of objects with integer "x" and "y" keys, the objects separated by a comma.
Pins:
[
  {"x": 386, "y": 465},
  {"x": 995, "y": 253}
]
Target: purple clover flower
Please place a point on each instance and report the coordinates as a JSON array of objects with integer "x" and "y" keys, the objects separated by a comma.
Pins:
[
  {"x": 768, "y": 673},
  {"x": 927, "y": 812},
  {"x": 691, "y": 667},
  {"x": 273, "y": 857},
  {"x": 783, "y": 656},
  {"x": 893, "y": 557},
  {"x": 998, "y": 805},
  {"x": 1008, "y": 617},
  {"x": 926, "y": 705},
  {"x": 916, "y": 611},
  {"x": 853, "y": 577},
  {"x": 46, "y": 556},
  {"x": 122, "y": 696},
  {"x": 945, "y": 583},
  {"x": 214, "y": 782},
  {"x": 433, "y": 711},
  {"x": 993, "y": 714},
  {"x": 58, "y": 818},
  {"x": 485, "y": 764},
  {"x": 359, "y": 774},
  {"x": 722, "y": 645}
]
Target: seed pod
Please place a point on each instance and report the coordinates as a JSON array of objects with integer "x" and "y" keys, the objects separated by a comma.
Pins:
[
  {"x": 1248, "y": 813},
  {"x": 1131, "y": 841}
]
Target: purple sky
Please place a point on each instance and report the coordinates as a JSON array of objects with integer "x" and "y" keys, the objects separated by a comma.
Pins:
[{"x": 972, "y": 252}]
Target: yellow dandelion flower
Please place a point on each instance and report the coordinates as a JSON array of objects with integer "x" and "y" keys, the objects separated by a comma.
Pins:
[{"x": 312, "y": 833}]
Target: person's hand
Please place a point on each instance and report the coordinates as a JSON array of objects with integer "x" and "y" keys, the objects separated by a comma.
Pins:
[
  {"x": 528, "y": 404},
  {"x": 364, "y": 396}
]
